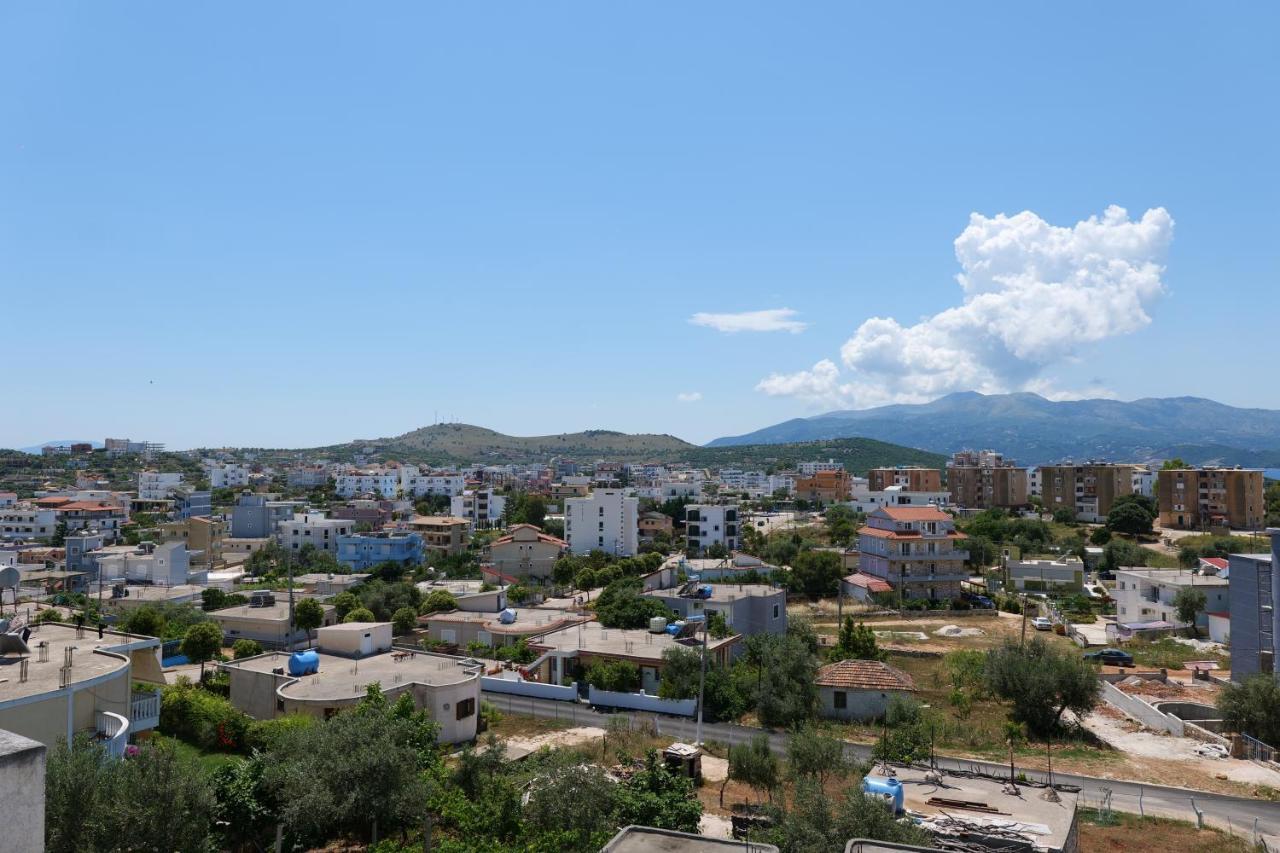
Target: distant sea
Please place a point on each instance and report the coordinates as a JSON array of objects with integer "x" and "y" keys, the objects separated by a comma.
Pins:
[{"x": 1271, "y": 473}]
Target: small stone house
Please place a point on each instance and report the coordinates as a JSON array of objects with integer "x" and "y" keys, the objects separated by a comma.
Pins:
[{"x": 860, "y": 689}]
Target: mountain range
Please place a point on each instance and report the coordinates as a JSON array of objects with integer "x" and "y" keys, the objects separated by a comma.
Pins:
[
  {"x": 444, "y": 444},
  {"x": 1034, "y": 430}
]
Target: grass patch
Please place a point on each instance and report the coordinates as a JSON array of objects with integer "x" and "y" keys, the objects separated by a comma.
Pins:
[
  {"x": 211, "y": 761},
  {"x": 1120, "y": 831},
  {"x": 1167, "y": 653}
]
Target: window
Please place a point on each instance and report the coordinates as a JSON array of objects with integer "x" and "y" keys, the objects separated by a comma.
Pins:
[
  {"x": 840, "y": 700},
  {"x": 775, "y": 611},
  {"x": 466, "y": 708}
]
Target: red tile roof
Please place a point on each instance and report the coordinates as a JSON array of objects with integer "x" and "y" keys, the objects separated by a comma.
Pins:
[
  {"x": 869, "y": 582},
  {"x": 542, "y": 537},
  {"x": 1216, "y": 562},
  {"x": 864, "y": 675}
]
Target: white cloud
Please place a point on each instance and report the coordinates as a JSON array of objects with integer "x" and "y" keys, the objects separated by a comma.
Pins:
[
  {"x": 769, "y": 320},
  {"x": 689, "y": 396},
  {"x": 1034, "y": 293}
]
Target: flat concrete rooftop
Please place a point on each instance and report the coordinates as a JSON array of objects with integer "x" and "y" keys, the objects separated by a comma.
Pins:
[
  {"x": 90, "y": 658},
  {"x": 592, "y": 637},
  {"x": 646, "y": 839},
  {"x": 529, "y": 620},
  {"x": 342, "y": 678},
  {"x": 723, "y": 592},
  {"x": 278, "y": 612}
]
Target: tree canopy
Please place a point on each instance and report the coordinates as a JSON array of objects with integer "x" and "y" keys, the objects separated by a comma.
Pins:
[{"x": 1041, "y": 682}]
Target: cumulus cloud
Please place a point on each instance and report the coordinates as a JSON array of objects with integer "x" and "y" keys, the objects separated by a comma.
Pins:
[
  {"x": 689, "y": 396},
  {"x": 1033, "y": 295},
  {"x": 769, "y": 320}
]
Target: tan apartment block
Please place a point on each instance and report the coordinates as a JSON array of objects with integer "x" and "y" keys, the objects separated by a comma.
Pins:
[
  {"x": 442, "y": 534},
  {"x": 1200, "y": 498},
  {"x": 1087, "y": 490},
  {"x": 911, "y": 479},
  {"x": 825, "y": 487},
  {"x": 986, "y": 487},
  {"x": 201, "y": 534}
]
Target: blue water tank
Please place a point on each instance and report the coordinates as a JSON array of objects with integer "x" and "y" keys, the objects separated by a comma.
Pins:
[
  {"x": 884, "y": 786},
  {"x": 304, "y": 663},
  {"x": 507, "y": 616}
]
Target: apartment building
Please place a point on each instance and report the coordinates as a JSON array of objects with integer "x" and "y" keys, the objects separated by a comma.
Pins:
[
  {"x": 442, "y": 534},
  {"x": 226, "y": 475},
  {"x": 444, "y": 483},
  {"x": 985, "y": 480},
  {"x": 363, "y": 551},
  {"x": 158, "y": 485},
  {"x": 1144, "y": 481},
  {"x": 606, "y": 520},
  {"x": 383, "y": 482},
  {"x": 1144, "y": 596},
  {"x": 66, "y": 680},
  {"x": 350, "y": 658},
  {"x": 24, "y": 521},
  {"x": 1201, "y": 498},
  {"x": 256, "y": 517},
  {"x": 653, "y": 524},
  {"x": 1087, "y": 490},
  {"x": 1254, "y": 611},
  {"x": 106, "y": 517},
  {"x": 826, "y": 487},
  {"x": 482, "y": 508},
  {"x": 307, "y": 477},
  {"x": 375, "y": 514},
  {"x": 314, "y": 528},
  {"x": 706, "y": 525},
  {"x": 203, "y": 535},
  {"x": 808, "y": 469},
  {"x": 915, "y": 550},
  {"x": 865, "y": 501},
  {"x": 910, "y": 478}
]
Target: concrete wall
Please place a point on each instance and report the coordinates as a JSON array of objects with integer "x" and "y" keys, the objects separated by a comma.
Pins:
[
  {"x": 1144, "y": 713},
  {"x": 22, "y": 792},
  {"x": 643, "y": 702},
  {"x": 529, "y": 688},
  {"x": 860, "y": 705}
]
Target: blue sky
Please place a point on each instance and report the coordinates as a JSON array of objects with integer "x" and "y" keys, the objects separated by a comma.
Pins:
[{"x": 300, "y": 223}]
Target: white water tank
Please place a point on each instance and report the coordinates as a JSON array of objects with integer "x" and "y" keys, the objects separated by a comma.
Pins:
[{"x": 657, "y": 624}]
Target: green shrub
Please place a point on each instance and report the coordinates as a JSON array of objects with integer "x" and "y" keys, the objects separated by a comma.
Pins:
[
  {"x": 193, "y": 714},
  {"x": 246, "y": 648},
  {"x": 264, "y": 735}
]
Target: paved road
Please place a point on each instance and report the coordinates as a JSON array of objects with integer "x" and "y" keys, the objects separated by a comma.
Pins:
[{"x": 1237, "y": 813}]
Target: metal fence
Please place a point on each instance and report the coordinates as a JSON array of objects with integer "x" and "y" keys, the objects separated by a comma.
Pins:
[{"x": 1256, "y": 750}]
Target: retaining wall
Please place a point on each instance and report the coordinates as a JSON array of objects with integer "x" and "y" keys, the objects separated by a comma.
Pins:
[
  {"x": 1144, "y": 713},
  {"x": 642, "y": 702},
  {"x": 537, "y": 689}
]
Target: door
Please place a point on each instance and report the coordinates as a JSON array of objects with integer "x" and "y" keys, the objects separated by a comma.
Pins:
[
  {"x": 448, "y": 635},
  {"x": 366, "y": 644}
]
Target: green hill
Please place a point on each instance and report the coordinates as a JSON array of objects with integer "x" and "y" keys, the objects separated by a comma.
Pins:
[
  {"x": 451, "y": 443},
  {"x": 444, "y": 444}
]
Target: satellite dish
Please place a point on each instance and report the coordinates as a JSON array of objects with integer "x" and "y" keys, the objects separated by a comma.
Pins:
[{"x": 9, "y": 576}]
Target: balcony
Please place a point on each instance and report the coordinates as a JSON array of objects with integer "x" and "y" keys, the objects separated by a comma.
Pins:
[
  {"x": 144, "y": 710},
  {"x": 113, "y": 732}
]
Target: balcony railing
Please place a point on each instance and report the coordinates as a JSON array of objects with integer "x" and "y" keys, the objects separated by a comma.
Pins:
[
  {"x": 144, "y": 710},
  {"x": 114, "y": 731}
]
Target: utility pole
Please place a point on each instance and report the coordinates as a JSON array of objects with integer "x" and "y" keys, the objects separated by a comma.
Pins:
[
  {"x": 702, "y": 677},
  {"x": 1022, "y": 641}
]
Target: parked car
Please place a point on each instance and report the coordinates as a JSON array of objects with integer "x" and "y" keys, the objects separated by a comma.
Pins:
[
  {"x": 979, "y": 600},
  {"x": 1112, "y": 657},
  {"x": 1041, "y": 623}
]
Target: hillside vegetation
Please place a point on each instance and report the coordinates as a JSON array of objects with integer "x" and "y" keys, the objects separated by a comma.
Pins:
[{"x": 444, "y": 444}]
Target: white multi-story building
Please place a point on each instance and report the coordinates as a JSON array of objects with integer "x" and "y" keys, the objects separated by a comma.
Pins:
[
  {"x": 866, "y": 501},
  {"x": 226, "y": 475},
  {"x": 605, "y": 520},
  {"x": 1146, "y": 595},
  {"x": 158, "y": 485},
  {"x": 711, "y": 524},
  {"x": 1144, "y": 481},
  {"x": 447, "y": 483},
  {"x": 671, "y": 490},
  {"x": 313, "y": 527},
  {"x": 384, "y": 482},
  {"x": 481, "y": 507},
  {"x": 27, "y": 522},
  {"x": 1033, "y": 482},
  {"x": 166, "y": 564},
  {"x": 808, "y": 469},
  {"x": 754, "y": 483}
]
